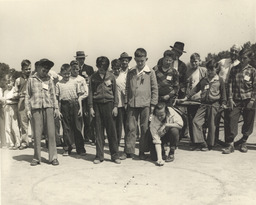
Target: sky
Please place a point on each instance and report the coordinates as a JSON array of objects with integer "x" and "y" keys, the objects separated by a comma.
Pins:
[{"x": 56, "y": 29}]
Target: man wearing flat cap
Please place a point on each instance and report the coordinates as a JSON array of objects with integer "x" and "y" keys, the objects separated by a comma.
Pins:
[{"x": 86, "y": 71}]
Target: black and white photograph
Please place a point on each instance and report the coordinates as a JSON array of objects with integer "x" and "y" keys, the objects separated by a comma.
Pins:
[{"x": 132, "y": 102}]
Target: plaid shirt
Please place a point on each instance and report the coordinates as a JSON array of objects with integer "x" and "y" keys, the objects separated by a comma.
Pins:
[
  {"x": 242, "y": 83},
  {"x": 168, "y": 82},
  {"x": 40, "y": 94}
]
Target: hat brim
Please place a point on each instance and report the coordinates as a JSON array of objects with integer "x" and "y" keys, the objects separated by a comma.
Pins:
[
  {"x": 128, "y": 57},
  {"x": 81, "y": 56},
  {"x": 178, "y": 49},
  {"x": 47, "y": 64}
]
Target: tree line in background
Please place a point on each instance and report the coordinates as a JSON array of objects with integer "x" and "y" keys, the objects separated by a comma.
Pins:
[
  {"x": 216, "y": 57},
  {"x": 225, "y": 54}
]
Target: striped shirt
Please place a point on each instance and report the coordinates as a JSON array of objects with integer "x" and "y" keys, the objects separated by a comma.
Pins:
[
  {"x": 68, "y": 90},
  {"x": 40, "y": 94},
  {"x": 242, "y": 83}
]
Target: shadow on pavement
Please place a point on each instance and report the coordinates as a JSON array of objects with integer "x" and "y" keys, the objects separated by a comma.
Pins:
[{"x": 27, "y": 158}]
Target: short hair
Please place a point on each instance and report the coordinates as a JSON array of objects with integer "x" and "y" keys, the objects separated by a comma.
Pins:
[
  {"x": 116, "y": 62},
  {"x": 25, "y": 63},
  {"x": 246, "y": 51},
  {"x": 65, "y": 68},
  {"x": 160, "y": 106},
  {"x": 102, "y": 61},
  {"x": 195, "y": 56},
  {"x": 211, "y": 64},
  {"x": 169, "y": 53},
  {"x": 140, "y": 52}
]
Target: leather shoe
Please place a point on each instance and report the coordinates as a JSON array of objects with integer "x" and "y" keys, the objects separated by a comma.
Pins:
[
  {"x": 55, "y": 162},
  {"x": 34, "y": 162},
  {"x": 123, "y": 156},
  {"x": 228, "y": 150},
  {"x": 23, "y": 147},
  {"x": 243, "y": 148},
  {"x": 142, "y": 156},
  {"x": 169, "y": 158}
]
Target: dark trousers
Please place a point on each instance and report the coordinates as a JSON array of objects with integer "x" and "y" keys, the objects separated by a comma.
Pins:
[
  {"x": 120, "y": 123},
  {"x": 192, "y": 109},
  {"x": 89, "y": 122},
  {"x": 131, "y": 128},
  {"x": 170, "y": 139},
  {"x": 44, "y": 119},
  {"x": 104, "y": 119},
  {"x": 233, "y": 118},
  {"x": 205, "y": 113},
  {"x": 72, "y": 126}
]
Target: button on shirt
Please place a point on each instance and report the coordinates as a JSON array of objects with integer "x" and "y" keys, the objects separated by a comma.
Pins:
[
  {"x": 40, "y": 94},
  {"x": 242, "y": 83}
]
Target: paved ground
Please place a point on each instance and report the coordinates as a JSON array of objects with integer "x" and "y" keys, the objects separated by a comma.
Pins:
[{"x": 193, "y": 178}]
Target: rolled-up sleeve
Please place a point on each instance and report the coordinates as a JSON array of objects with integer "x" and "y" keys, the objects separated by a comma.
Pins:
[{"x": 154, "y": 126}]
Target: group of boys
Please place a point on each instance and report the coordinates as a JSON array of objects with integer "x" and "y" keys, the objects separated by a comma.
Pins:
[{"x": 120, "y": 100}]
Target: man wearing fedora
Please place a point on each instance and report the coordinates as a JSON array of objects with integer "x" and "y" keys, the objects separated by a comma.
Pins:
[
  {"x": 86, "y": 71},
  {"x": 179, "y": 65}
]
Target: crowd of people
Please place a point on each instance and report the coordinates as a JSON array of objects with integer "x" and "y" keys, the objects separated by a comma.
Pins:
[{"x": 137, "y": 103}]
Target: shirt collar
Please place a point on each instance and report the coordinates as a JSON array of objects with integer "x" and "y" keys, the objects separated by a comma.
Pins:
[
  {"x": 146, "y": 69},
  {"x": 215, "y": 78}
]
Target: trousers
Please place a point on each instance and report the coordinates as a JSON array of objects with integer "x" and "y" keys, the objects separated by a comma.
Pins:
[{"x": 44, "y": 119}]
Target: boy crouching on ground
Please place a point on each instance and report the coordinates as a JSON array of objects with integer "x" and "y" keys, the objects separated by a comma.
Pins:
[
  {"x": 69, "y": 94},
  {"x": 164, "y": 129},
  {"x": 42, "y": 108},
  {"x": 103, "y": 101}
]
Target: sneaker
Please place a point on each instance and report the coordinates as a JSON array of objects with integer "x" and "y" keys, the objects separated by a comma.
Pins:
[
  {"x": 228, "y": 150},
  {"x": 97, "y": 161},
  {"x": 243, "y": 148},
  {"x": 55, "y": 162},
  {"x": 34, "y": 162}
]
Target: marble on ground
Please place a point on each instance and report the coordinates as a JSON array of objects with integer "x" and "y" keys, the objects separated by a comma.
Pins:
[{"x": 194, "y": 177}]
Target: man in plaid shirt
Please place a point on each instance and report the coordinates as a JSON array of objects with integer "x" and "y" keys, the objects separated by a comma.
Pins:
[
  {"x": 42, "y": 107},
  {"x": 167, "y": 79},
  {"x": 242, "y": 94}
]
